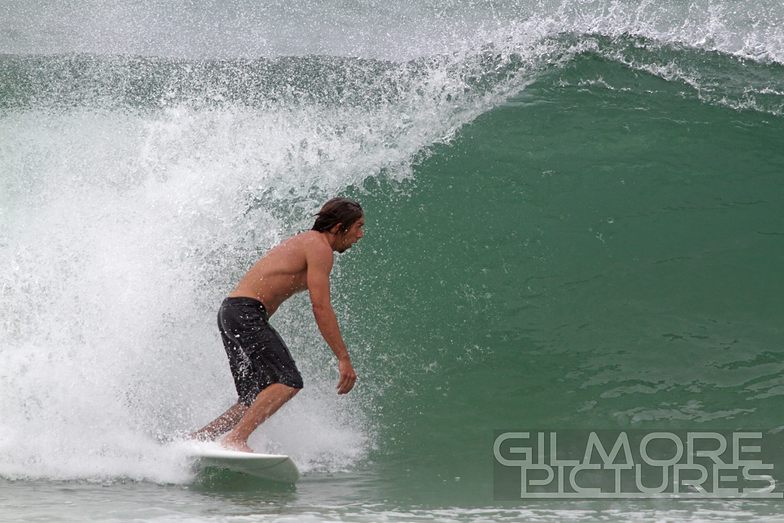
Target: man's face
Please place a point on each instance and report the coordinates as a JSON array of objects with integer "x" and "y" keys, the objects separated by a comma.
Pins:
[{"x": 352, "y": 235}]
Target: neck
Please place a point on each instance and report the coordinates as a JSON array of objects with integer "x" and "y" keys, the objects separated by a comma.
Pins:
[{"x": 331, "y": 238}]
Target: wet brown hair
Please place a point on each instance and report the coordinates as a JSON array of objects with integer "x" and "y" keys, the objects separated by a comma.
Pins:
[{"x": 338, "y": 211}]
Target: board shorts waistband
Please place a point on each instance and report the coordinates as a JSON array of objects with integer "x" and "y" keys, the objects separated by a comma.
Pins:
[{"x": 244, "y": 301}]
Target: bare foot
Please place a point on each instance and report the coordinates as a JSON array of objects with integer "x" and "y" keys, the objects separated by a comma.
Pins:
[{"x": 231, "y": 444}]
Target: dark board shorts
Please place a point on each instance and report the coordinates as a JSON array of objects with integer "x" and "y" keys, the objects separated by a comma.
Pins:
[{"x": 258, "y": 357}]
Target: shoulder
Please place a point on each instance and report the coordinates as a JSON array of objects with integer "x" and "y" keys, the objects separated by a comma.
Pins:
[{"x": 316, "y": 249}]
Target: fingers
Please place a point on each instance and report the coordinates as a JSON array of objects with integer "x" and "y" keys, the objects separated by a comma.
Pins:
[
  {"x": 346, "y": 383},
  {"x": 347, "y": 376}
]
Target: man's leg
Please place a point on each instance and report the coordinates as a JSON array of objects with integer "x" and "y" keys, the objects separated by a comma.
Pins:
[
  {"x": 265, "y": 405},
  {"x": 223, "y": 423}
]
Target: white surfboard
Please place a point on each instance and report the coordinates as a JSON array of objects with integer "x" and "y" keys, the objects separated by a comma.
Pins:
[{"x": 274, "y": 467}]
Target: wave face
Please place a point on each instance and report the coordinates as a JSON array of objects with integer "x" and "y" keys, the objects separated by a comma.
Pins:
[{"x": 566, "y": 202}]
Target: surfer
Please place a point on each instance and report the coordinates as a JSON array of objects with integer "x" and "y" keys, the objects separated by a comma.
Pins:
[{"x": 264, "y": 371}]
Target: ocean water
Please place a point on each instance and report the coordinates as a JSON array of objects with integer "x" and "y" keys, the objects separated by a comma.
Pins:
[{"x": 574, "y": 221}]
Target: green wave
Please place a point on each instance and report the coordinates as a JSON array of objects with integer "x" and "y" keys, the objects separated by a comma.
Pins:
[{"x": 599, "y": 254}]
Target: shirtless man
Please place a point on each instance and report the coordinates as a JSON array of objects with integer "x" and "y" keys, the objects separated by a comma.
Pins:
[{"x": 264, "y": 371}]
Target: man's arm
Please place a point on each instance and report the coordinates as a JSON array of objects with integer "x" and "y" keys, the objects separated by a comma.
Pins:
[{"x": 319, "y": 263}]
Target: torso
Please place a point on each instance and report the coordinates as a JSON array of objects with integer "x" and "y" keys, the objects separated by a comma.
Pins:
[{"x": 281, "y": 273}]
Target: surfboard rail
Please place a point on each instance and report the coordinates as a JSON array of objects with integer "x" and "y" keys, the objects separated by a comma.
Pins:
[{"x": 273, "y": 467}]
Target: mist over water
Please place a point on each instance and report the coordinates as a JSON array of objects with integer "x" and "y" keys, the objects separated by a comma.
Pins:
[
  {"x": 150, "y": 152},
  {"x": 397, "y": 31}
]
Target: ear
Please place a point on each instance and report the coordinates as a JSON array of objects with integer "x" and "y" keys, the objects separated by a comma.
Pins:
[{"x": 335, "y": 228}]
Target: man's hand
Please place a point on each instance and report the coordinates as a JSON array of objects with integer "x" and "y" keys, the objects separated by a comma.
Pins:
[{"x": 347, "y": 376}]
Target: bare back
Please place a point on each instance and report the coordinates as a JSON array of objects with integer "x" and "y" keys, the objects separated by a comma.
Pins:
[{"x": 282, "y": 272}]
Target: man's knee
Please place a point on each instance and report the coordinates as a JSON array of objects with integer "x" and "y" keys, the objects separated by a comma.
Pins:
[
  {"x": 293, "y": 391},
  {"x": 287, "y": 390}
]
